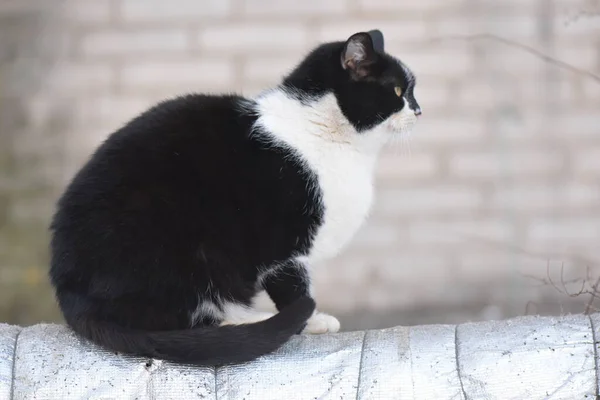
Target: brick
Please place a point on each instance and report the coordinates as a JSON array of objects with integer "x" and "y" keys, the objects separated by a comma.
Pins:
[
  {"x": 114, "y": 42},
  {"x": 571, "y": 8},
  {"x": 582, "y": 26},
  {"x": 415, "y": 267},
  {"x": 249, "y": 38},
  {"x": 514, "y": 62},
  {"x": 73, "y": 77},
  {"x": 27, "y": 210},
  {"x": 584, "y": 54},
  {"x": 383, "y": 281},
  {"x": 428, "y": 200},
  {"x": 587, "y": 162},
  {"x": 41, "y": 108},
  {"x": 37, "y": 147},
  {"x": 532, "y": 197},
  {"x": 408, "y": 7},
  {"x": 293, "y": 8},
  {"x": 445, "y": 28},
  {"x": 399, "y": 165},
  {"x": 493, "y": 165},
  {"x": 432, "y": 95},
  {"x": 492, "y": 265},
  {"x": 572, "y": 230},
  {"x": 175, "y": 10},
  {"x": 460, "y": 231},
  {"x": 474, "y": 95},
  {"x": 513, "y": 26},
  {"x": 22, "y": 6},
  {"x": 110, "y": 111},
  {"x": 268, "y": 70},
  {"x": 590, "y": 91},
  {"x": 448, "y": 61},
  {"x": 577, "y": 123},
  {"x": 394, "y": 32},
  {"x": 195, "y": 75},
  {"x": 377, "y": 235},
  {"x": 87, "y": 11},
  {"x": 447, "y": 130},
  {"x": 543, "y": 92}
]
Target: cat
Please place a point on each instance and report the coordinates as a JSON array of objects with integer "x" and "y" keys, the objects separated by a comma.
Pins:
[{"x": 162, "y": 240}]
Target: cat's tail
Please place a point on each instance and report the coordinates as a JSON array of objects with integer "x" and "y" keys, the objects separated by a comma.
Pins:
[{"x": 206, "y": 346}]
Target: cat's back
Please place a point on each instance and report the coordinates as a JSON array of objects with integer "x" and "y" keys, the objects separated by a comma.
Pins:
[
  {"x": 152, "y": 170},
  {"x": 192, "y": 132},
  {"x": 194, "y": 118}
]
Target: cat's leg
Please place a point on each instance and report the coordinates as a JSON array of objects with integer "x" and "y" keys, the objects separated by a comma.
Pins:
[{"x": 288, "y": 282}]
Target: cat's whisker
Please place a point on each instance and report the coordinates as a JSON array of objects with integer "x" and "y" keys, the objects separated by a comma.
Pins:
[
  {"x": 400, "y": 145},
  {"x": 405, "y": 145}
]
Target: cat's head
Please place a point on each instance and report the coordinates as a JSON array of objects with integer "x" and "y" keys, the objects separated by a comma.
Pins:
[{"x": 372, "y": 88}]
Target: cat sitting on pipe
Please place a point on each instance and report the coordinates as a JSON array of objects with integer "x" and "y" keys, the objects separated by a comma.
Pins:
[{"x": 183, "y": 215}]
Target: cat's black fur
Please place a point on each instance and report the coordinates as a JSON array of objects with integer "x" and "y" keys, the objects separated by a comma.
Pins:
[{"x": 185, "y": 203}]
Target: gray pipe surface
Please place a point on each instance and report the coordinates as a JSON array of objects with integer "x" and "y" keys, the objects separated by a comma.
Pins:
[{"x": 523, "y": 358}]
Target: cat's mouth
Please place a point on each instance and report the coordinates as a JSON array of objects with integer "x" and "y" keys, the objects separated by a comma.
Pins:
[{"x": 403, "y": 122}]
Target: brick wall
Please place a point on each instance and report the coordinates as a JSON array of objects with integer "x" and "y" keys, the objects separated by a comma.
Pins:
[{"x": 500, "y": 179}]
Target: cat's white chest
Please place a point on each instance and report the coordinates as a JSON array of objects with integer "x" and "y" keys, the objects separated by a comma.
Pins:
[{"x": 346, "y": 183}]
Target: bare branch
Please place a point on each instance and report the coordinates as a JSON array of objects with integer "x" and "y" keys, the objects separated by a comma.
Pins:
[
  {"x": 524, "y": 47},
  {"x": 588, "y": 306}
]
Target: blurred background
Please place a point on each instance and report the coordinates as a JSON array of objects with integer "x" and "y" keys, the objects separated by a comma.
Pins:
[{"x": 490, "y": 210}]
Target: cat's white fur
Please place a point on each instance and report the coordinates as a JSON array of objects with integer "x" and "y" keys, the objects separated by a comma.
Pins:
[{"x": 343, "y": 161}]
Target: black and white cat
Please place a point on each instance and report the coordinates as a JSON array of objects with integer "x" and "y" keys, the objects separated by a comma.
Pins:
[{"x": 162, "y": 240}]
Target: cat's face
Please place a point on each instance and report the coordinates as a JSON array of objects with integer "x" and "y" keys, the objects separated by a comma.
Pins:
[
  {"x": 372, "y": 88},
  {"x": 375, "y": 88}
]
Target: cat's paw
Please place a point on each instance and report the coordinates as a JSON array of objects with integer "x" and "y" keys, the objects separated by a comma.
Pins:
[{"x": 321, "y": 323}]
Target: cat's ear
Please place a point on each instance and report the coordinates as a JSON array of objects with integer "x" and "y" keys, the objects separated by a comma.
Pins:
[
  {"x": 359, "y": 55},
  {"x": 378, "y": 42}
]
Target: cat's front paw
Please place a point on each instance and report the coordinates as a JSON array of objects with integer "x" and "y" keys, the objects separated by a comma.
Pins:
[{"x": 321, "y": 323}]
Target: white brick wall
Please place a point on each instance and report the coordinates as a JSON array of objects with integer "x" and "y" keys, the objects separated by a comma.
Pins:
[
  {"x": 293, "y": 8},
  {"x": 491, "y": 165},
  {"x": 535, "y": 197},
  {"x": 417, "y": 7},
  {"x": 434, "y": 233},
  {"x": 248, "y": 38},
  {"x": 430, "y": 200},
  {"x": 400, "y": 166},
  {"x": 132, "y": 42},
  {"x": 587, "y": 162},
  {"x": 264, "y": 70},
  {"x": 77, "y": 77},
  {"x": 183, "y": 75},
  {"x": 87, "y": 12},
  {"x": 506, "y": 155},
  {"x": 575, "y": 230},
  {"x": 397, "y": 32},
  {"x": 148, "y": 11},
  {"x": 449, "y": 129}
]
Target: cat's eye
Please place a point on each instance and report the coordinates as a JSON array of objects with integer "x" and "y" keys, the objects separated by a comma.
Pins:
[{"x": 398, "y": 91}]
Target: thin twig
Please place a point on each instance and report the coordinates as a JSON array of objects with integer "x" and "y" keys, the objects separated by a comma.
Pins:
[
  {"x": 524, "y": 47},
  {"x": 587, "y": 288},
  {"x": 588, "y": 306}
]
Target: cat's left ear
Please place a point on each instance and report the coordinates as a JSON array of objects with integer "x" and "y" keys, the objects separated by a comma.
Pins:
[{"x": 359, "y": 55}]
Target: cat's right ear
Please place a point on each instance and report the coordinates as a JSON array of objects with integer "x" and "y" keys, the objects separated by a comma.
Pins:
[{"x": 359, "y": 55}]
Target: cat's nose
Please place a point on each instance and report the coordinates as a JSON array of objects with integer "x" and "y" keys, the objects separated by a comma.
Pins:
[{"x": 418, "y": 112}]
